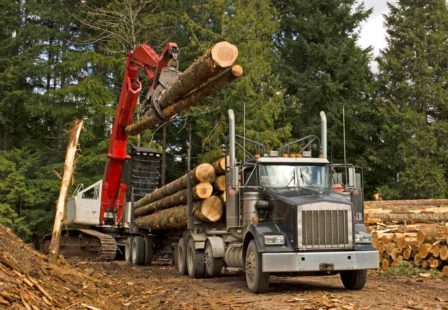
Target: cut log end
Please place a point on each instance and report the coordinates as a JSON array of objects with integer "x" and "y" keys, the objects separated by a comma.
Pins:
[
  {"x": 203, "y": 190},
  {"x": 205, "y": 173},
  {"x": 237, "y": 70},
  {"x": 224, "y": 54},
  {"x": 209, "y": 210}
]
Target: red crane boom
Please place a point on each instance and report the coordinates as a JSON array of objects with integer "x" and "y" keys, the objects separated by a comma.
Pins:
[{"x": 114, "y": 189}]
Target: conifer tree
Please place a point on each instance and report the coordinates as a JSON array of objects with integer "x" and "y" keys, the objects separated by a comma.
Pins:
[{"x": 413, "y": 100}]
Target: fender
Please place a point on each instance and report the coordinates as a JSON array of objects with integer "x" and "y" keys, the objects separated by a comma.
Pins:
[
  {"x": 257, "y": 232},
  {"x": 218, "y": 246},
  {"x": 199, "y": 240}
]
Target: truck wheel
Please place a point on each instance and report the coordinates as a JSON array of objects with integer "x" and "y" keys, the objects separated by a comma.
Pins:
[
  {"x": 257, "y": 281},
  {"x": 195, "y": 261},
  {"x": 138, "y": 250},
  {"x": 128, "y": 250},
  {"x": 354, "y": 279},
  {"x": 213, "y": 265},
  {"x": 149, "y": 251},
  {"x": 181, "y": 257}
]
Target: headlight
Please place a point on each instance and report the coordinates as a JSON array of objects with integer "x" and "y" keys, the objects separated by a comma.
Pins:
[
  {"x": 274, "y": 240},
  {"x": 363, "y": 237}
]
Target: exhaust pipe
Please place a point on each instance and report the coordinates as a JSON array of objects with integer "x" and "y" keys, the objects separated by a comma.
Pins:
[
  {"x": 323, "y": 134},
  {"x": 232, "y": 218}
]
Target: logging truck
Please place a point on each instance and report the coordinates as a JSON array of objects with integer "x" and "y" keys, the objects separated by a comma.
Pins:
[{"x": 286, "y": 213}]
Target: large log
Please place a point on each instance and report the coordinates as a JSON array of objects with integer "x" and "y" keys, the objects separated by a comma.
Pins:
[
  {"x": 168, "y": 219},
  {"x": 151, "y": 121},
  {"x": 220, "y": 165},
  {"x": 220, "y": 183},
  {"x": 430, "y": 234},
  {"x": 222, "y": 55},
  {"x": 69, "y": 168},
  {"x": 209, "y": 210},
  {"x": 418, "y": 203},
  {"x": 407, "y": 217},
  {"x": 202, "y": 173},
  {"x": 200, "y": 191}
]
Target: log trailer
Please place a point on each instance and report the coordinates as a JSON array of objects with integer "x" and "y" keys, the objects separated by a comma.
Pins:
[{"x": 284, "y": 216}]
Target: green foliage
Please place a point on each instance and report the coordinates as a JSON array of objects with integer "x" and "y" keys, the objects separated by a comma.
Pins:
[
  {"x": 323, "y": 69},
  {"x": 405, "y": 268},
  {"x": 413, "y": 100}
]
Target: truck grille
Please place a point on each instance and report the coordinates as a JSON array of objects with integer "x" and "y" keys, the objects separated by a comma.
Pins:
[{"x": 325, "y": 226}]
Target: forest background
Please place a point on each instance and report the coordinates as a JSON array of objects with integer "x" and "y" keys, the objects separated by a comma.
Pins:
[{"x": 62, "y": 60}]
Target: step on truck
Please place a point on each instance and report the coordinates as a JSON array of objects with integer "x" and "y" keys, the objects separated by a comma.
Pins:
[{"x": 286, "y": 214}]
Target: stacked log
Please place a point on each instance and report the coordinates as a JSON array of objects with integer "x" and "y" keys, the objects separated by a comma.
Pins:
[{"x": 166, "y": 207}]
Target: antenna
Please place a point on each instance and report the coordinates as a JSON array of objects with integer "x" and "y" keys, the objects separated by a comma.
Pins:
[
  {"x": 345, "y": 150},
  {"x": 244, "y": 132}
]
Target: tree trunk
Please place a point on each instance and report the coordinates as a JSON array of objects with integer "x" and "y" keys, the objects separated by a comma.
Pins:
[
  {"x": 220, "y": 165},
  {"x": 65, "y": 184},
  {"x": 372, "y": 218},
  {"x": 209, "y": 210},
  {"x": 424, "y": 250},
  {"x": 220, "y": 183},
  {"x": 418, "y": 203},
  {"x": 168, "y": 219},
  {"x": 430, "y": 234},
  {"x": 151, "y": 121},
  {"x": 200, "y": 191},
  {"x": 443, "y": 252},
  {"x": 202, "y": 173}
]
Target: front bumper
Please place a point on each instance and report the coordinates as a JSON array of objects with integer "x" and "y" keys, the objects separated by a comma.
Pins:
[{"x": 319, "y": 261}]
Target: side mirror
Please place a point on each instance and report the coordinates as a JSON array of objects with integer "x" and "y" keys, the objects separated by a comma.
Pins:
[{"x": 262, "y": 204}]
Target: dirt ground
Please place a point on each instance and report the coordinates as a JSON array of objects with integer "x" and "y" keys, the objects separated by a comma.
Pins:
[{"x": 159, "y": 287}]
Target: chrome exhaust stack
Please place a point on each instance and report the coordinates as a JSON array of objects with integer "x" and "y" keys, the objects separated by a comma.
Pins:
[
  {"x": 323, "y": 134},
  {"x": 232, "y": 213}
]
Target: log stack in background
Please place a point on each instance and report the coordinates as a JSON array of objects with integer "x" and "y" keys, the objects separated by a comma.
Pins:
[
  {"x": 166, "y": 207},
  {"x": 410, "y": 230}
]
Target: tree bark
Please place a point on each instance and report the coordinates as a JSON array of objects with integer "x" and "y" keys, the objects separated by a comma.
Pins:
[
  {"x": 202, "y": 173},
  {"x": 168, "y": 219},
  {"x": 200, "y": 191},
  {"x": 69, "y": 168},
  {"x": 430, "y": 234},
  {"x": 220, "y": 165},
  {"x": 212, "y": 86},
  {"x": 209, "y": 210},
  {"x": 372, "y": 218}
]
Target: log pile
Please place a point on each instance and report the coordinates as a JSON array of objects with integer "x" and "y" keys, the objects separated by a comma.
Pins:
[
  {"x": 166, "y": 207},
  {"x": 410, "y": 230}
]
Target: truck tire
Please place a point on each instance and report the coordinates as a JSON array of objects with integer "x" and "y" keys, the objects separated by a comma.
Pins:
[
  {"x": 128, "y": 250},
  {"x": 213, "y": 265},
  {"x": 354, "y": 279},
  {"x": 138, "y": 250},
  {"x": 257, "y": 281},
  {"x": 195, "y": 261},
  {"x": 149, "y": 251},
  {"x": 181, "y": 257}
]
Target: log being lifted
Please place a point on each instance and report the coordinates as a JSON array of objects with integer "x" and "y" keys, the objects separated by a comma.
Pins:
[
  {"x": 220, "y": 57},
  {"x": 200, "y": 191},
  {"x": 151, "y": 121},
  {"x": 202, "y": 173},
  {"x": 209, "y": 210}
]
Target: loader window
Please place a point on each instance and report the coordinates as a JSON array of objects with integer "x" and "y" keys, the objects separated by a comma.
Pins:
[{"x": 92, "y": 193}]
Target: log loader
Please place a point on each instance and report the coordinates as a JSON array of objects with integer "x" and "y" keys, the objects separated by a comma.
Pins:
[{"x": 99, "y": 218}]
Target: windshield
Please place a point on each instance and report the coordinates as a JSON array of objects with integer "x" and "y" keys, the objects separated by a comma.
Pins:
[{"x": 294, "y": 176}]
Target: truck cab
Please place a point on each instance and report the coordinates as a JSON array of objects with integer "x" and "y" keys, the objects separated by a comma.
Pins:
[{"x": 287, "y": 213}]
